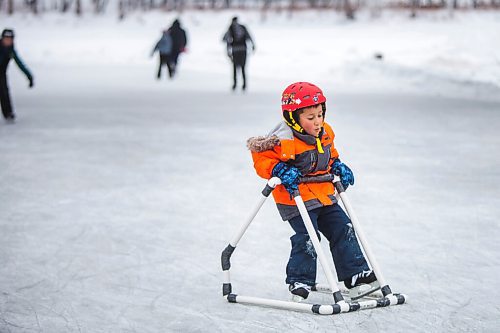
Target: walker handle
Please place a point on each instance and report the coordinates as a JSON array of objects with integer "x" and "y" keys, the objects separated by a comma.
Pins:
[
  {"x": 326, "y": 178},
  {"x": 317, "y": 179}
]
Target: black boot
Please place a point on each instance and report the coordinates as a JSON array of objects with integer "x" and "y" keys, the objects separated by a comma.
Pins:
[
  {"x": 300, "y": 289},
  {"x": 10, "y": 119},
  {"x": 365, "y": 277}
]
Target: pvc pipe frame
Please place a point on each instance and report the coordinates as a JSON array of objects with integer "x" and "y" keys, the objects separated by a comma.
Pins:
[
  {"x": 272, "y": 183},
  {"x": 323, "y": 309},
  {"x": 340, "y": 305},
  {"x": 362, "y": 239},
  {"x": 328, "y": 269}
]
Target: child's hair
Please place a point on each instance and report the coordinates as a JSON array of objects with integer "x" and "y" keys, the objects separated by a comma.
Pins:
[{"x": 302, "y": 110}]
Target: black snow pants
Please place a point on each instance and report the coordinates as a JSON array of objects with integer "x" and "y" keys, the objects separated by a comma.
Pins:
[
  {"x": 171, "y": 61},
  {"x": 239, "y": 60},
  {"x": 336, "y": 226},
  {"x": 5, "y": 97}
]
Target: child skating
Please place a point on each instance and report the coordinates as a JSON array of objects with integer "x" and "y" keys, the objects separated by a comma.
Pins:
[{"x": 303, "y": 145}]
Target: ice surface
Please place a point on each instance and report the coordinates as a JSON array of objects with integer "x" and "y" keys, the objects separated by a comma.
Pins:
[{"x": 118, "y": 192}]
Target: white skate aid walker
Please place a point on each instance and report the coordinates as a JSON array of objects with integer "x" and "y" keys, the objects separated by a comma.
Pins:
[{"x": 376, "y": 295}]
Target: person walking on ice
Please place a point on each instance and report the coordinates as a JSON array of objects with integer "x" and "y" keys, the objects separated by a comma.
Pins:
[
  {"x": 179, "y": 42},
  {"x": 303, "y": 145},
  {"x": 171, "y": 44},
  {"x": 8, "y": 52},
  {"x": 236, "y": 39},
  {"x": 164, "y": 48}
]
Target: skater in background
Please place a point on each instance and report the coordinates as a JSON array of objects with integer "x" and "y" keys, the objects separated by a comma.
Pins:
[
  {"x": 7, "y": 52},
  {"x": 179, "y": 42},
  {"x": 236, "y": 39},
  {"x": 164, "y": 48},
  {"x": 303, "y": 145},
  {"x": 171, "y": 44}
]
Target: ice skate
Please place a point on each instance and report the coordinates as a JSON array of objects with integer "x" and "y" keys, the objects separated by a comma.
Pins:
[
  {"x": 362, "y": 284},
  {"x": 300, "y": 291},
  {"x": 10, "y": 119}
]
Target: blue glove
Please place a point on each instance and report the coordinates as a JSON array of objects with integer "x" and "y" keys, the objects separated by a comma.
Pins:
[
  {"x": 289, "y": 176},
  {"x": 343, "y": 171}
]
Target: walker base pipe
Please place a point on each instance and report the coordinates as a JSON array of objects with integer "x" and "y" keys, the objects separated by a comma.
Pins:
[{"x": 322, "y": 309}]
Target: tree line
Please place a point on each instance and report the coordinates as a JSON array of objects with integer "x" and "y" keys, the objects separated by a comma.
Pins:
[{"x": 349, "y": 7}]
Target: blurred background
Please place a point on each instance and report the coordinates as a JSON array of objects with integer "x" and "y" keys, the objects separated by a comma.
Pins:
[
  {"x": 432, "y": 47},
  {"x": 119, "y": 189}
]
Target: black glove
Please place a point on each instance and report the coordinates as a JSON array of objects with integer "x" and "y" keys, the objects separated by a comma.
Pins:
[{"x": 31, "y": 84}]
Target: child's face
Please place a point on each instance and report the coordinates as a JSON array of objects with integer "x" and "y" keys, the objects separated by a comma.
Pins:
[{"x": 311, "y": 120}]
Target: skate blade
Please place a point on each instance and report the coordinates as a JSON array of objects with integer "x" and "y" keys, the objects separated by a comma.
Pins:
[
  {"x": 297, "y": 299},
  {"x": 363, "y": 290}
]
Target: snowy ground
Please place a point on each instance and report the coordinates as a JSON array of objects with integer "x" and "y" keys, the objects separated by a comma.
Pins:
[{"x": 119, "y": 192}]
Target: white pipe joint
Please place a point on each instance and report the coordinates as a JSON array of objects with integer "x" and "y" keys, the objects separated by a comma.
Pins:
[
  {"x": 335, "y": 179},
  {"x": 344, "y": 306},
  {"x": 273, "y": 182}
]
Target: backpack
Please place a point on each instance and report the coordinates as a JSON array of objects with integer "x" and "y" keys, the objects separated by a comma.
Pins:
[
  {"x": 238, "y": 33},
  {"x": 165, "y": 44}
]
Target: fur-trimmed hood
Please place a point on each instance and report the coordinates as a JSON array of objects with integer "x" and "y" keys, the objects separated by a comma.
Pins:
[
  {"x": 281, "y": 131},
  {"x": 258, "y": 144},
  {"x": 278, "y": 135}
]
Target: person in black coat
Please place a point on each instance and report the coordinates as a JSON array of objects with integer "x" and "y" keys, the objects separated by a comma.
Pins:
[
  {"x": 8, "y": 52},
  {"x": 179, "y": 42},
  {"x": 236, "y": 39}
]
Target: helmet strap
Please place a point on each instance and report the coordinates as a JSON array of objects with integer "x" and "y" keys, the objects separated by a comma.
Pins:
[{"x": 290, "y": 121}]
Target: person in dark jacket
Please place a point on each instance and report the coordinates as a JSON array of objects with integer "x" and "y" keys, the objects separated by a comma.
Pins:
[
  {"x": 236, "y": 39},
  {"x": 8, "y": 52},
  {"x": 179, "y": 42},
  {"x": 164, "y": 48}
]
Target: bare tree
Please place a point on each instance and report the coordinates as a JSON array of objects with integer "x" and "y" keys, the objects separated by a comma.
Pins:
[
  {"x": 313, "y": 3},
  {"x": 179, "y": 5},
  {"x": 65, "y": 5},
  {"x": 10, "y": 7},
  {"x": 121, "y": 9},
  {"x": 100, "y": 5},
  {"x": 414, "y": 6},
  {"x": 349, "y": 9},
  {"x": 33, "y": 5},
  {"x": 78, "y": 9}
]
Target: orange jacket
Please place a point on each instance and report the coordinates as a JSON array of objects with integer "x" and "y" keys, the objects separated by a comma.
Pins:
[{"x": 302, "y": 151}]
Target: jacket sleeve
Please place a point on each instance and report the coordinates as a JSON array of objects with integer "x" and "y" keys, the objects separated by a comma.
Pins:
[
  {"x": 21, "y": 65},
  {"x": 264, "y": 162},
  {"x": 227, "y": 37},
  {"x": 249, "y": 38},
  {"x": 155, "y": 48}
]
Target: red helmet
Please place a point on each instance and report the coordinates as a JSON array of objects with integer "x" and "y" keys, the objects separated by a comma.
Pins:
[{"x": 300, "y": 95}]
